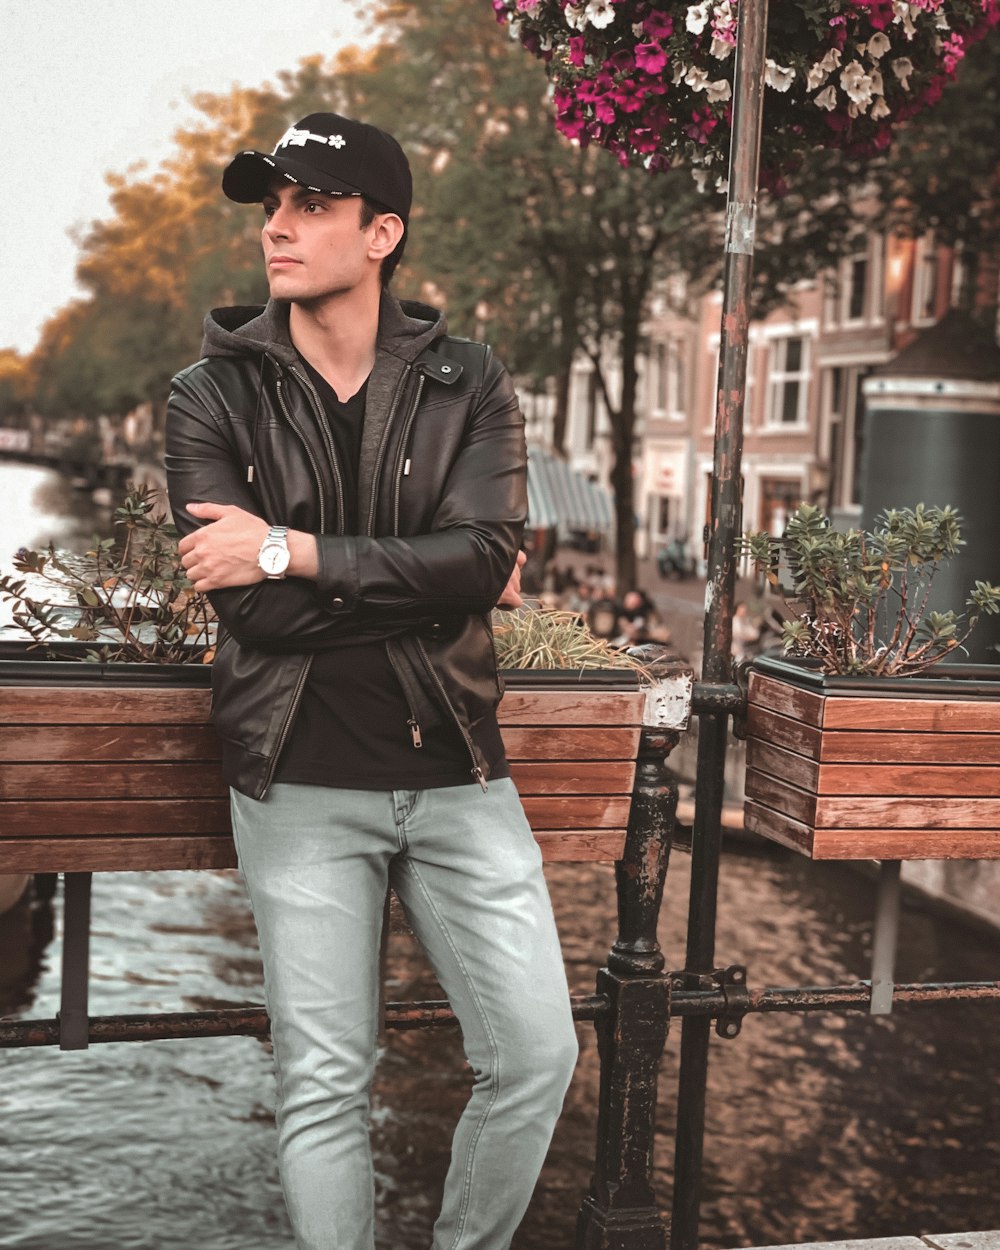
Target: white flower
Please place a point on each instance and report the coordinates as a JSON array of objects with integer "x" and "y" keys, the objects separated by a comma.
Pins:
[
  {"x": 779, "y": 77},
  {"x": 576, "y": 18},
  {"x": 697, "y": 18},
  {"x": 856, "y": 83},
  {"x": 720, "y": 49},
  {"x": 821, "y": 71},
  {"x": 696, "y": 78},
  {"x": 718, "y": 90},
  {"x": 637, "y": 29},
  {"x": 700, "y": 177},
  {"x": 880, "y": 109},
  {"x": 827, "y": 99},
  {"x": 941, "y": 22},
  {"x": 677, "y": 71},
  {"x": 600, "y": 13},
  {"x": 902, "y": 67},
  {"x": 722, "y": 185},
  {"x": 878, "y": 87},
  {"x": 902, "y": 14},
  {"x": 878, "y": 46}
]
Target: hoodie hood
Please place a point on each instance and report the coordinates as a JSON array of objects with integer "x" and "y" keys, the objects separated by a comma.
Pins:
[{"x": 405, "y": 329}]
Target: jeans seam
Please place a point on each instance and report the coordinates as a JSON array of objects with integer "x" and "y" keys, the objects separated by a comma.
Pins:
[{"x": 495, "y": 1079}]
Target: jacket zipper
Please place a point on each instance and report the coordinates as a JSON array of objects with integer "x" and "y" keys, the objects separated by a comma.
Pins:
[
  {"x": 401, "y": 461},
  {"x": 477, "y": 772},
  {"x": 331, "y": 450},
  {"x": 312, "y": 459},
  {"x": 287, "y": 723},
  {"x": 296, "y": 698},
  {"x": 380, "y": 456}
]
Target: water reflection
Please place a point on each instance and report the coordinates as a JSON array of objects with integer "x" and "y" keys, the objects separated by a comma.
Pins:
[{"x": 819, "y": 1127}]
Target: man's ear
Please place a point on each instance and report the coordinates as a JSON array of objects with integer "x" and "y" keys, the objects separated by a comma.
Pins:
[{"x": 387, "y": 229}]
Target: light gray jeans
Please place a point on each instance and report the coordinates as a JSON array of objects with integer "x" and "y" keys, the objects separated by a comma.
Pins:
[{"x": 467, "y": 870}]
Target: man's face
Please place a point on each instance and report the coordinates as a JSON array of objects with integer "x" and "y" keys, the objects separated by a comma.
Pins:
[{"x": 314, "y": 246}]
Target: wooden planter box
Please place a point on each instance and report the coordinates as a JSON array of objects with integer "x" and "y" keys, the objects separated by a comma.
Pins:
[
  {"x": 116, "y": 767},
  {"x": 880, "y": 768}
]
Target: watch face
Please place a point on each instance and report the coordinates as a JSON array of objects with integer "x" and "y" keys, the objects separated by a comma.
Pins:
[{"x": 274, "y": 559}]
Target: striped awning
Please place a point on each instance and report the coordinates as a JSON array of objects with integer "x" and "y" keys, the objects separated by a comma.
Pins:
[{"x": 559, "y": 496}]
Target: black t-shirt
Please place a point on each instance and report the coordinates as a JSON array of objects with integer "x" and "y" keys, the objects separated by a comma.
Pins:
[{"x": 352, "y": 727}]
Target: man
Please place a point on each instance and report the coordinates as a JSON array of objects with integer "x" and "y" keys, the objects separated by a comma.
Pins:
[{"x": 350, "y": 485}]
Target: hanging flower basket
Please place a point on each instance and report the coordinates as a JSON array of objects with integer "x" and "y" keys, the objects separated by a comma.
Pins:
[{"x": 653, "y": 81}]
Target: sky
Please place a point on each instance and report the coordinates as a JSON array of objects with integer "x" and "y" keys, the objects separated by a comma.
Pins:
[{"x": 91, "y": 86}]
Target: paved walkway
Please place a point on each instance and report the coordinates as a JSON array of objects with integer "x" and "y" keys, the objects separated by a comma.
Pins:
[{"x": 931, "y": 1241}]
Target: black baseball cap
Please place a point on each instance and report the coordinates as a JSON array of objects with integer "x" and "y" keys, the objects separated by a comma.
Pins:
[{"x": 328, "y": 153}]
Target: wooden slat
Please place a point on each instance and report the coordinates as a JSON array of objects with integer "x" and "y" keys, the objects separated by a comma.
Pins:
[
  {"x": 846, "y": 746},
  {"x": 558, "y": 707},
  {"x": 906, "y": 844},
  {"x": 777, "y": 827},
  {"x": 785, "y": 699},
  {"x": 947, "y": 781},
  {"x": 846, "y": 844},
  {"x": 764, "y": 757},
  {"x": 98, "y": 705},
  {"x": 124, "y": 780},
  {"x": 135, "y": 854},
  {"x": 545, "y": 814},
  {"x": 110, "y": 854},
  {"x": 109, "y": 742},
  {"x": 934, "y": 715},
  {"x": 793, "y": 735},
  {"x": 582, "y": 845},
  {"x": 50, "y": 818},
  {"x": 593, "y": 777},
  {"x": 781, "y": 797},
  {"x": 570, "y": 743},
  {"x": 908, "y": 813}
]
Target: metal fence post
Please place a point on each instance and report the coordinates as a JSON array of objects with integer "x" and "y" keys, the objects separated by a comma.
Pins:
[{"x": 620, "y": 1212}]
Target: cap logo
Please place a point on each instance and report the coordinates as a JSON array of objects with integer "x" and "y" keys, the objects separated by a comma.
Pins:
[{"x": 299, "y": 138}]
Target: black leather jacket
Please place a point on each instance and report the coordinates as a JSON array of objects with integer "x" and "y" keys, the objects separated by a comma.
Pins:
[{"x": 442, "y": 505}]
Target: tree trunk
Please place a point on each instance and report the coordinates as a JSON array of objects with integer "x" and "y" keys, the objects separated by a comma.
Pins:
[{"x": 560, "y": 415}]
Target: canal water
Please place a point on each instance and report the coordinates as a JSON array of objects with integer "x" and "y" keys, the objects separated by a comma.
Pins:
[{"x": 819, "y": 1127}]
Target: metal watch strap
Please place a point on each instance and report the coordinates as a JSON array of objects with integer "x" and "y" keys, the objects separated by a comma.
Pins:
[{"x": 277, "y": 536}]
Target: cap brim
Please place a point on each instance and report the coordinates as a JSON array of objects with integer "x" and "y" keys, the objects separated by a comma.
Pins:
[{"x": 248, "y": 176}]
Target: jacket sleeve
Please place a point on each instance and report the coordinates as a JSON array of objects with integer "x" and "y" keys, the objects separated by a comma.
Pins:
[
  {"x": 366, "y": 588},
  {"x": 462, "y": 565}
]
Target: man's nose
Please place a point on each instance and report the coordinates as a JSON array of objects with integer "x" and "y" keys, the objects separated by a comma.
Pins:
[{"x": 278, "y": 225}]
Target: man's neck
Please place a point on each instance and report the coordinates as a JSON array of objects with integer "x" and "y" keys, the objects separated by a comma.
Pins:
[{"x": 338, "y": 337}]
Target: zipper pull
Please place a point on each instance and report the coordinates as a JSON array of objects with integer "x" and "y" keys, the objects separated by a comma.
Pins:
[
  {"x": 477, "y": 772},
  {"x": 406, "y": 467},
  {"x": 415, "y": 731}
]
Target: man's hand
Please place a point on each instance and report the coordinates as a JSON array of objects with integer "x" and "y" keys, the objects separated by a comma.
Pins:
[
  {"x": 224, "y": 552},
  {"x": 511, "y": 597}
]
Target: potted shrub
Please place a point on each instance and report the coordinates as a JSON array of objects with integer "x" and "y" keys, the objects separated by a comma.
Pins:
[
  {"x": 112, "y": 762},
  {"x": 861, "y": 743}
]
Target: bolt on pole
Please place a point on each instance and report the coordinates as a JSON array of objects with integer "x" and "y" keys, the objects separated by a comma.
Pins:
[{"x": 741, "y": 212}]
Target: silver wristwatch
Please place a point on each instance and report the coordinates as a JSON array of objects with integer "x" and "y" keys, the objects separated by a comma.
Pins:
[{"x": 274, "y": 555}]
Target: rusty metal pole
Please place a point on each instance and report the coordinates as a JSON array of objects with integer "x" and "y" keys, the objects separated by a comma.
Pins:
[{"x": 748, "y": 90}]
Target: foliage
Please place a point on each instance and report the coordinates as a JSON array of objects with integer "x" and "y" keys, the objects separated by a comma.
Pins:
[
  {"x": 15, "y": 384},
  {"x": 128, "y": 595},
  {"x": 653, "y": 82},
  {"x": 864, "y": 596},
  {"x": 544, "y": 638}
]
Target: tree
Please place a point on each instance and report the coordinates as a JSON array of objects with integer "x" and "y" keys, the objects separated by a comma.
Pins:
[{"x": 15, "y": 385}]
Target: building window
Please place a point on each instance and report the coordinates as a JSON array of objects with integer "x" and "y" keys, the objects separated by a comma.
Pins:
[
  {"x": 925, "y": 282},
  {"x": 855, "y": 288},
  {"x": 668, "y": 393},
  {"x": 788, "y": 382},
  {"x": 779, "y": 497}
]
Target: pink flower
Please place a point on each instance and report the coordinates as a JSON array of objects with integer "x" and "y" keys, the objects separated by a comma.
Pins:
[
  {"x": 628, "y": 96},
  {"x": 577, "y": 49},
  {"x": 650, "y": 57},
  {"x": 953, "y": 49},
  {"x": 701, "y": 125},
  {"x": 658, "y": 25},
  {"x": 604, "y": 110}
]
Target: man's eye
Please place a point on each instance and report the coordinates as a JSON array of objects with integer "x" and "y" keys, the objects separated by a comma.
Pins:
[
  {"x": 268, "y": 211},
  {"x": 313, "y": 204}
]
